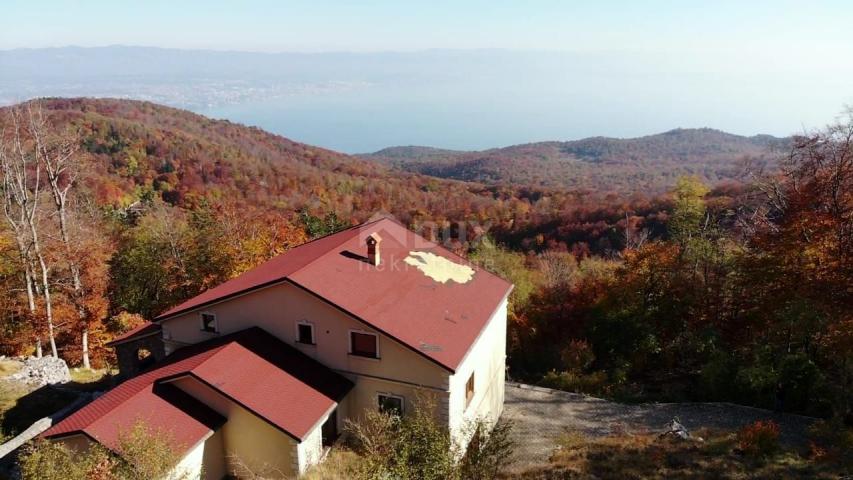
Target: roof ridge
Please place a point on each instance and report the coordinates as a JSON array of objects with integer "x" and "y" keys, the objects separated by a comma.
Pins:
[
  {"x": 214, "y": 351},
  {"x": 354, "y": 227},
  {"x": 351, "y": 227}
]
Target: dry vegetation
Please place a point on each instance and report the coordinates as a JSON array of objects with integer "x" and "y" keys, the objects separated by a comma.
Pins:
[
  {"x": 645, "y": 456},
  {"x": 9, "y": 367}
]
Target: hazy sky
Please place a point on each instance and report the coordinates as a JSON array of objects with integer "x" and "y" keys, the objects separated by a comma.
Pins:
[
  {"x": 630, "y": 68},
  {"x": 775, "y": 28}
]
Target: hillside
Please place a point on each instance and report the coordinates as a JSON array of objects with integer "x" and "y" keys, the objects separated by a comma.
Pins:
[
  {"x": 612, "y": 297},
  {"x": 143, "y": 150},
  {"x": 650, "y": 163}
]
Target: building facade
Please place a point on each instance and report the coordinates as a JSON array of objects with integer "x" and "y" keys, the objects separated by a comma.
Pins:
[{"x": 275, "y": 361}]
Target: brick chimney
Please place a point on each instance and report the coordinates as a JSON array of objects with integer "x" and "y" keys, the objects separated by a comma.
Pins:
[{"x": 373, "y": 241}]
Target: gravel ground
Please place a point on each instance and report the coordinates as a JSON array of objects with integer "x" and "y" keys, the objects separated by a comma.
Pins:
[{"x": 540, "y": 415}]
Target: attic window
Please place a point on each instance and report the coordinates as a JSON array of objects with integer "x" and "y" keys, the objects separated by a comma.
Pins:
[
  {"x": 305, "y": 333},
  {"x": 208, "y": 323},
  {"x": 363, "y": 344}
]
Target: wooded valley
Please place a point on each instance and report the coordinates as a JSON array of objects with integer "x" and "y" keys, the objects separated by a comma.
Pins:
[{"x": 731, "y": 285}]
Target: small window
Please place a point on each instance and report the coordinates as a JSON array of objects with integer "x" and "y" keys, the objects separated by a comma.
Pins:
[
  {"x": 305, "y": 333},
  {"x": 364, "y": 344},
  {"x": 469, "y": 389},
  {"x": 208, "y": 323},
  {"x": 392, "y": 404},
  {"x": 144, "y": 358}
]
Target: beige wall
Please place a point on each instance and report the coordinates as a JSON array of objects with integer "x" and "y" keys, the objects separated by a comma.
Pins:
[
  {"x": 487, "y": 361},
  {"x": 245, "y": 437},
  {"x": 278, "y": 308},
  {"x": 366, "y": 397},
  {"x": 400, "y": 371},
  {"x": 214, "y": 457}
]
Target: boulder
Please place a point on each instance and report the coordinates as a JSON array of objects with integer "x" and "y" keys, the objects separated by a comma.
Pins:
[
  {"x": 42, "y": 371},
  {"x": 674, "y": 429}
]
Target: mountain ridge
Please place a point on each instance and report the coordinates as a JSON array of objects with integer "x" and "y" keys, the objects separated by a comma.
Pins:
[{"x": 650, "y": 162}]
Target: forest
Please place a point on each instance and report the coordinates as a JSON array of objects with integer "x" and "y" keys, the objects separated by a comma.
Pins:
[
  {"x": 623, "y": 166},
  {"x": 741, "y": 291}
]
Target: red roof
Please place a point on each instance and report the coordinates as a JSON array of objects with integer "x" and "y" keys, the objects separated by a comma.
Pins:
[
  {"x": 287, "y": 389},
  {"x": 440, "y": 321},
  {"x": 147, "y": 328}
]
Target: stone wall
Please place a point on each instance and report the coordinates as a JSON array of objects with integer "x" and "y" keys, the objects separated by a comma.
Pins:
[{"x": 128, "y": 354}]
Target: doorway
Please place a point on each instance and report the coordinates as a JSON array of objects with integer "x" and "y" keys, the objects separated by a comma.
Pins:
[{"x": 330, "y": 429}]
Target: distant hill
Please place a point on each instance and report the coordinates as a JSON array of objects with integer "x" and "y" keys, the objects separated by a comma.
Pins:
[
  {"x": 649, "y": 164},
  {"x": 142, "y": 150}
]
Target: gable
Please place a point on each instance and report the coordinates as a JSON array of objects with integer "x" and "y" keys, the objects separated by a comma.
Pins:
[{"x": 278, "y": 308}]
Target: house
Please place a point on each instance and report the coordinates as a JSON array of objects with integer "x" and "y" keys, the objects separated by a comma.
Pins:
[{"x": 266, "y": 367}]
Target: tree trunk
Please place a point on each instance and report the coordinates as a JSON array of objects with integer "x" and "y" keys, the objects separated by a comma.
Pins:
[
  {"x": 45, "y": 289},
  {"x": 59, "y": 161},
  {"x": 86, "y": 348},
  {"x": 29, "y": 278}
]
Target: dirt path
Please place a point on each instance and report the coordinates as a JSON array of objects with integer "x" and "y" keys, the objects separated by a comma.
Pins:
[{"x": 540, "y": 415}]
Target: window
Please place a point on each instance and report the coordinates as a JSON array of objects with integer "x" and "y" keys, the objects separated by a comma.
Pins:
[
  {"x": 364, "y": 344},
  {"x": 469, "y": 390},
  {"x": 208, "y": 323},
  {"x": 389, "y": 403},
  {"x": 144, "y": 358},
  {"x": 305, "y": 333}
]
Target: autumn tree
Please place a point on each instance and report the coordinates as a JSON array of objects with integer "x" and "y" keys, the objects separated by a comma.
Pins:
[
  {"x": 22, "y": 196},
  {"x": 58, "y": 154}
]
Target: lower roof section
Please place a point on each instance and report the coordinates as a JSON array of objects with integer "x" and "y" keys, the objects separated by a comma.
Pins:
[{"x": 256, "y": 370}]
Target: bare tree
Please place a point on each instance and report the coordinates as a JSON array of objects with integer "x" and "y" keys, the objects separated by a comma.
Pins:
[
  {"x": 16, "y": 206},
  {"x": 58, "y": 155},
  {"x": 635, "y": 238},
  {"x": 559, "y": 269},
  {"x": 21, "y": 189}
]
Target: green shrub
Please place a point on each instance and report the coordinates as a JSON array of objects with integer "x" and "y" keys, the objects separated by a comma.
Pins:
[
  {"x": 593, "y": 383},
  {"x": 756, "y": 384},
  {"x": 415, "y": 447},
  {"x": 146, "y": 454},
  {"x": 488, "y": 451},
  {"x": 798, "y": 379},
  {"x": 715, "y": 378},
  {"x": 46, "y": 460}
]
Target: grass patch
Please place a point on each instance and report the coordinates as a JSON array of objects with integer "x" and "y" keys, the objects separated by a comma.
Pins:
[
  {"x": 645, "y": 456},
  {"x": 85, "y": 379},
  {"x": 21, "y": 405},
  {"x": 9, "y": 367}
]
